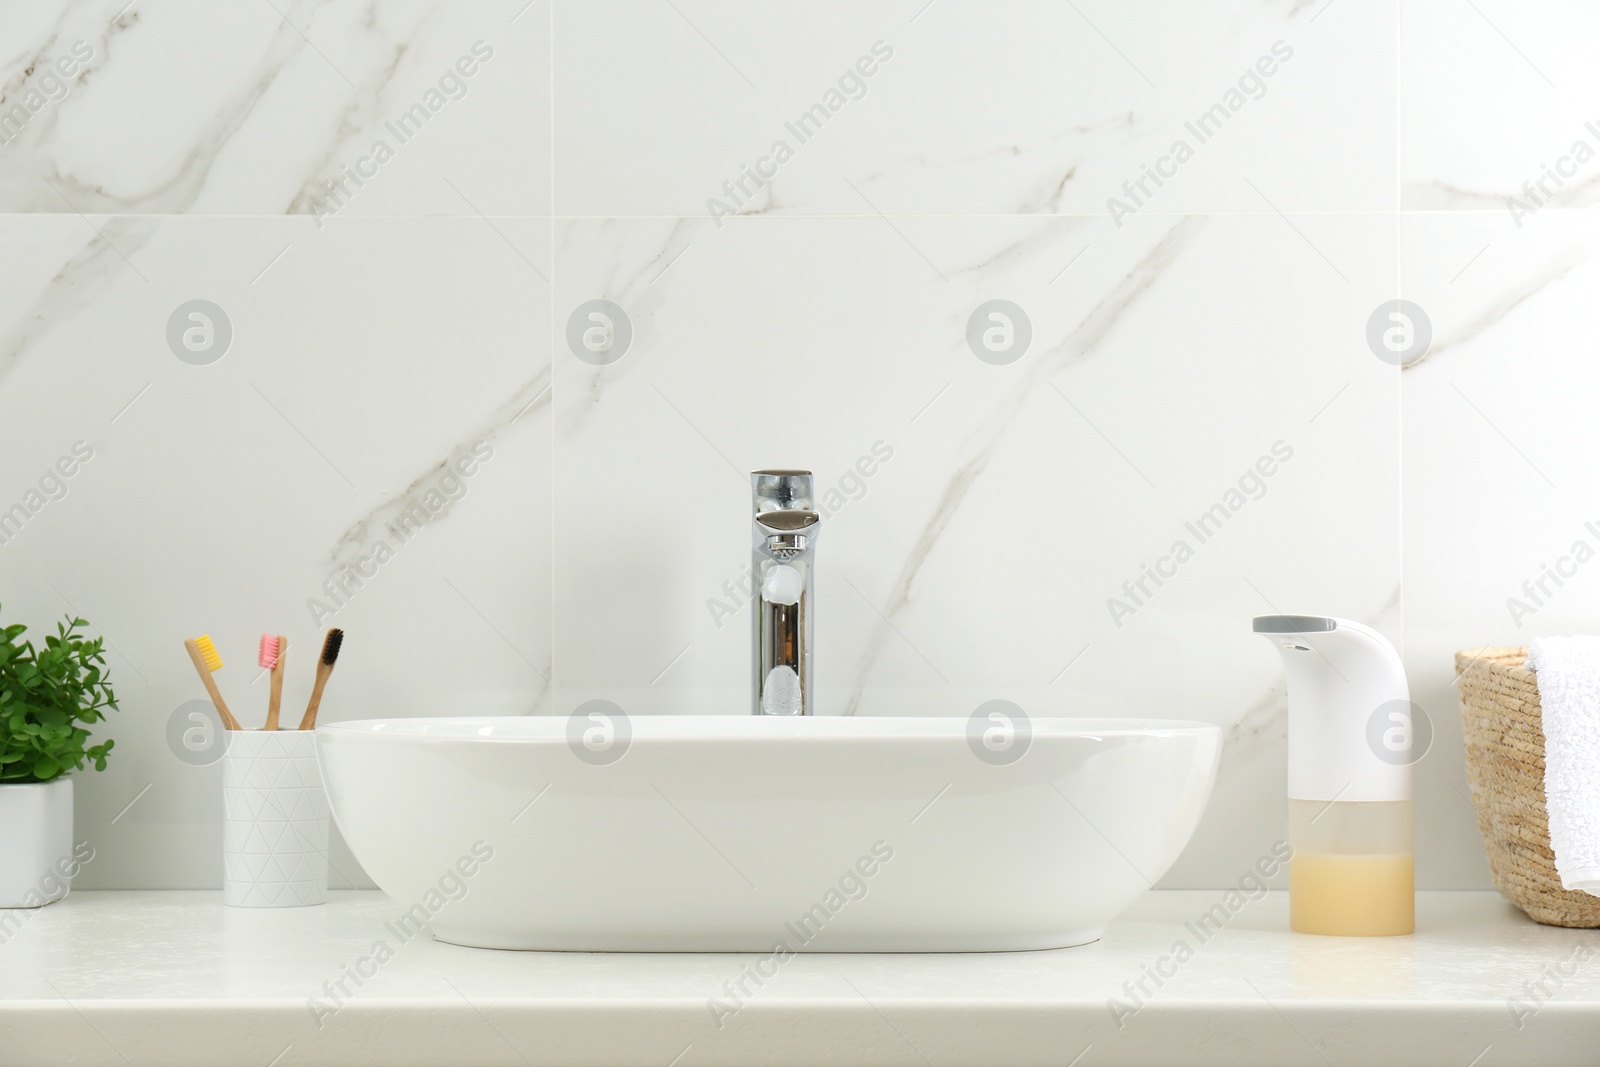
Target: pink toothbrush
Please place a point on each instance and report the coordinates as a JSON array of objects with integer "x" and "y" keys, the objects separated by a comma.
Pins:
[{"x": 271, "y": 657}]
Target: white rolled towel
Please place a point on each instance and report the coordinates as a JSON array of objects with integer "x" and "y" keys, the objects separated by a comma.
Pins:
[{"x": 1568, "y": 670}]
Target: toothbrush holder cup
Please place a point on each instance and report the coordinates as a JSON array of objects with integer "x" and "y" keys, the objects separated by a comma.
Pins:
[{"x": 274, "y": 820}]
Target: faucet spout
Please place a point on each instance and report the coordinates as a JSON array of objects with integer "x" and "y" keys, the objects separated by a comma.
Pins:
[{"x": 783, "y": 547}]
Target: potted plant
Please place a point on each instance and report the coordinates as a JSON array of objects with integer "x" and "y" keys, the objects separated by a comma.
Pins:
[{"x": 46, "y": 695}]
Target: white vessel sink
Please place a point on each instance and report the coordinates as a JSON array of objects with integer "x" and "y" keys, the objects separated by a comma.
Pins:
[{"x": 738, "y": 833}]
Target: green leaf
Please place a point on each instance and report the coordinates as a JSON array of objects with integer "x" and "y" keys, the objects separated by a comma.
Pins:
[{"x": 46, "y": 696}]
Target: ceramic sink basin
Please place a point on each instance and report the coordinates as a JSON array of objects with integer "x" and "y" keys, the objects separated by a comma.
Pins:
[{"x": 738, "y": 833}]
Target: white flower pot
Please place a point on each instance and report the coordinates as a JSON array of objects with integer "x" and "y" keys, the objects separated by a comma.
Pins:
[
  {"x": 36, "y": 858},
  {"x": 274, "y": 820}
]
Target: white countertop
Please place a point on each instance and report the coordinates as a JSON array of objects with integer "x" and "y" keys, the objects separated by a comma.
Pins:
[{"x": 175, "y": 978}]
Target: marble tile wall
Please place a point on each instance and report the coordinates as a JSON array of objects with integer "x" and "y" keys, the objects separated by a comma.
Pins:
[{"x": 405, "y": 211}]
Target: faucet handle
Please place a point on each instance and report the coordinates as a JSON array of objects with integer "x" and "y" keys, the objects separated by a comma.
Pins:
[{"x": 781, "y": 490}]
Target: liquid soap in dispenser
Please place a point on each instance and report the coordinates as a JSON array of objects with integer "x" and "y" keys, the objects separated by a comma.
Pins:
[{"x": 1350, "y": 807}]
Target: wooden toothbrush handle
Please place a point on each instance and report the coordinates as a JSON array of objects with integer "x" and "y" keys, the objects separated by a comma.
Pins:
[
  {"x": 309, "y": 720},
  {"x": 228, "y": 721},
  {"x": 275, "y": 700}
]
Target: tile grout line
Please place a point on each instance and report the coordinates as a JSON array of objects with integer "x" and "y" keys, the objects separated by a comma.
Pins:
[
  {"x": 552, "y": 338},
  {"x": 768, "y": 219},
  {"x": 1400, "y": 283}
]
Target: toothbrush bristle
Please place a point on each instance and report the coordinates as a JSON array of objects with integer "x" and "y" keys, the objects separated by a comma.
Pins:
[
  {"x": 330, "y": 646},
  {"x": 208, "y": 652},
  {"x": 269, "y": 651}
]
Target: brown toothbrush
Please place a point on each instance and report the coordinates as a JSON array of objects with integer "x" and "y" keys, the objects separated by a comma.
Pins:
[
  {"x": 330, "y": 654},
  {"x": 206, "y": 660},
  {"x": 273, "y": 649}
]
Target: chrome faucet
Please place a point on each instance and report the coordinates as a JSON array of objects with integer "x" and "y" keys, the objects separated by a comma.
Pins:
[{"x": 784, "y": 547}]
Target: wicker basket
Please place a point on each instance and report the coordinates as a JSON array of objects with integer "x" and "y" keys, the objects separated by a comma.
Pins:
[{"x": 1505, "y": 764}]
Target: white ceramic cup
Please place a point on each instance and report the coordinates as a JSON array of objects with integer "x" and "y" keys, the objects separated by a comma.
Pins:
[{"x": 274, "y": 820}]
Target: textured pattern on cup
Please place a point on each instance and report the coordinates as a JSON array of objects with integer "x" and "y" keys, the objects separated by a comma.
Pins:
[{"x": 274, "y": 820}]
